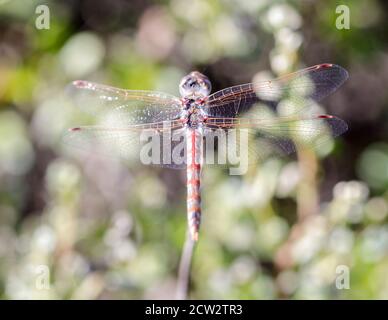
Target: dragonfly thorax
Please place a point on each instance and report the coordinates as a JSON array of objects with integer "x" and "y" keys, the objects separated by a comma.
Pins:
[
  {"x": 192, "y": 113},
  {"x": 196, "y": 118}
]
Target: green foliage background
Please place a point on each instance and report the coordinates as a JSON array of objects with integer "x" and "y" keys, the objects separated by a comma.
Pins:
[{"x": 111, "y": 230}]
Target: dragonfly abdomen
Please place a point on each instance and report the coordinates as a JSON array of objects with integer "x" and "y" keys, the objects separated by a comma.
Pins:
[{"x": 194, "y": 162}]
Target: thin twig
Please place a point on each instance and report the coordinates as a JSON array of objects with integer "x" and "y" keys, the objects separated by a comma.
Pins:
[{"x": 182, "y": 290}]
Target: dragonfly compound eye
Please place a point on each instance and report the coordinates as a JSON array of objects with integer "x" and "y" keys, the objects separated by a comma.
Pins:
[{"x": 195, "y": 85}]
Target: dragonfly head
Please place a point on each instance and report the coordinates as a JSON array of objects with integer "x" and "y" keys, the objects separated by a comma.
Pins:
[{"x": 195, "y": 84}]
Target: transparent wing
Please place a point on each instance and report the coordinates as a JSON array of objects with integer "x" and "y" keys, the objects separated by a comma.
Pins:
[
  {"x": 252, "y": 140},
  {"x": 123, "y": 107},
  {"x": 160, "y": 143},
  {"x": 287, "y": 95}
]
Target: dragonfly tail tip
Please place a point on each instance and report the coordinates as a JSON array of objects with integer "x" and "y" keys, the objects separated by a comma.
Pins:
[{"x": 194, "y": 236}]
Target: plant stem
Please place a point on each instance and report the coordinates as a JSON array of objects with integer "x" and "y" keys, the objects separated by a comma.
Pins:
[{"x": 182, "y": 290}]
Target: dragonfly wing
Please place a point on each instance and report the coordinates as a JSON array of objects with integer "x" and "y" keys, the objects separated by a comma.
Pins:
[
  {"x": 150, "y": 144},
  {"x": 286, "y": 95},
  {"x": 121, "y": 107},
  {"x": 253, "y": 140}
]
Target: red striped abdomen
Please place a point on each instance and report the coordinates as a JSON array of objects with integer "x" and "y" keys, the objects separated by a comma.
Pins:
[{"x": 194, "y": 162}]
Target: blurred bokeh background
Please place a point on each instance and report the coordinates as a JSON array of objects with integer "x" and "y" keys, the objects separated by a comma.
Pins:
[{"x": 105, "y": 229}]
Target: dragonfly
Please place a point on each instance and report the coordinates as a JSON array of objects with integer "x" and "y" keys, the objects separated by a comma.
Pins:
[{"x": 278, "y": 113}]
